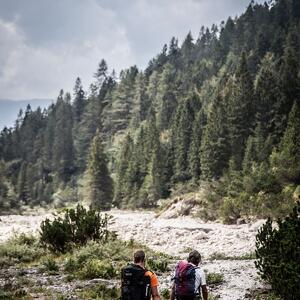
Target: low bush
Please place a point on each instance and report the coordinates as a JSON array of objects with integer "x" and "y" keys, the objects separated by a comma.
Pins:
[
  {"x": 158, "y": 264},
  {"x": 20, "y": 249},
  {"x": 223, "y": 256},
  {"x": 76, "y": 227},
  {"x": 71, "y": 265},
  {"x": 96, "y": 268},
  {"x": 229, "y": 211},
  {"x": 100, "y": 292},
  {"x": 214, "y": 278},
  {"x": 50, "y": 265},
  {"x": 278, "y": 254}
]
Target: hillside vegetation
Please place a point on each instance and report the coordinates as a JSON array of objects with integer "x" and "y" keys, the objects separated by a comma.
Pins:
[{"x": 221, "y": 110}]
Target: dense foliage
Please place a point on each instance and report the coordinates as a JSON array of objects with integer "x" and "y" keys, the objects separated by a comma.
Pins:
[
  {"x": 278, "y": 255},
  {"x": 223, "y": 108},
  {"x": 76, "y": 227}
]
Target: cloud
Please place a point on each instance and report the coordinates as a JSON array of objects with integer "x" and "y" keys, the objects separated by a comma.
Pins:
[
  {"x": 38, "y": 69},
  {"x": 46, "y": 44}
]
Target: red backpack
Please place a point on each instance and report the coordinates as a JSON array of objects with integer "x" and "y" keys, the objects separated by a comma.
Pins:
[{"x": 185, "y": 276}]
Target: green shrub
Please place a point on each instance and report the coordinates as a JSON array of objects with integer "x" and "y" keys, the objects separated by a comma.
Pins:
[
  {"x": 71, "y": 265},
  {"x": 50, "y": 265},
  {"x": 214, "y": 278},
  {"x": 229, "y": 211},
  {"x": 278, "y": 253},
  {"x": 98, "y": 268},
  {"x": 20, "y": 249},
  {"x": 100, "y": 292},
  {"x": 78, "y": 226},
  {"x": 218, "y": 256},
  {"x": 158, "y": 264},
  {"x": 223, "y": 256}
]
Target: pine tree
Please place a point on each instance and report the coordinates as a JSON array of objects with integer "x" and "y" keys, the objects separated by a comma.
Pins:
[
  {"x": 123, "y": 101},
  {"x": 241, "y": 111},
  {"x": 153, "y": 185},
  {"x": 269, "y": 99},
  {"x": 124, "y": 158},
  {"x": 286, "y": 161},
  {"x": 250, "y": 156},
  {"x": 100, "y": 184},
  {"x": 140, "y": 107},
  {"x": 289, "y": 72},
  {"x": 166, "y": 97},
  {"x": 182, "y": 136},
  {"x": 194, "y": 150},
  {"x": 23, "y": 187},
  {"x": 63, "y": 148},
  {"x": 101, "y": 74},
  {"x": 215, "y": 148},
  {"x": 79, "y": 101}
]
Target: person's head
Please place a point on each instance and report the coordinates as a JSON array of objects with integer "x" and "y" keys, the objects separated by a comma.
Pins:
[
  {"x": 139, "y": 257},
  {"x": 194, "y": 257}
]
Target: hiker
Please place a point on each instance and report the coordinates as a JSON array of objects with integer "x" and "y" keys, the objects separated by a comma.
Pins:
[
  {"x": 188, "y": 279},
  {"x": 138, "y": 283}
]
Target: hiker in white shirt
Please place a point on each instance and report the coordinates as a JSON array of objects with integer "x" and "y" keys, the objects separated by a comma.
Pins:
[{"x": 189, "y": 279}]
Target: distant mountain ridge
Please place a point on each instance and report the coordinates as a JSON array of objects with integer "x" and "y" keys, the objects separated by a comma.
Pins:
[{"x": 9, "y": 109}]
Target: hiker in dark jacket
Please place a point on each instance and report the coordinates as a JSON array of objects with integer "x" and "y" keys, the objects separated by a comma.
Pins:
[
  {"x": 189, "y": 279},
  {"x": 138, "y": 283}
]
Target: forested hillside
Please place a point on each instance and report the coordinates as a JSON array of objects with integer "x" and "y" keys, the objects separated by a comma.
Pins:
[{"x": 221, "y": 110}]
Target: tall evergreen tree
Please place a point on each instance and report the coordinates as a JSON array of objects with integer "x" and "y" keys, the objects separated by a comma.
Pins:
[
  {"x": 63, "y": 149},
  {"x": 194, "y": 150},
  {"x": 79, "y": 101},
  {"x": 167, "y": 98},
  {"x": 269, "y": 99},
  {"x": 125, "y": 156},
  {"x": 286, "y": 161},
  {"x": 241, "y": 111},
  {"x": 215, "y": 148},
  {"x": 100, "y": 184}
]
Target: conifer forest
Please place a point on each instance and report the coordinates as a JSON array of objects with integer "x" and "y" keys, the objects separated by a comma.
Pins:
[{"x": 220, "y": 110}]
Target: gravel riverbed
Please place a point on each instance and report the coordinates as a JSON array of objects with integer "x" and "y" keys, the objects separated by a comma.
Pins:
[{"x": 176, "y": 237}]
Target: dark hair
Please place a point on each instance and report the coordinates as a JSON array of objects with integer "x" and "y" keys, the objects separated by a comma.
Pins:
[
  {"x": 194, "y": 257},
  {"x": 139, "y": 256}
]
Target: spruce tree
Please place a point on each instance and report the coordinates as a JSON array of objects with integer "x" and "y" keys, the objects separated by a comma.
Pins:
[
  {"x": 63, "y": 148},
  {"x": 140, "y": 106},
  {"x": 194, "y": 150},
  {"x": 79, "y": 101},
  {"x": 154, "y": 184},
  {"x": 269, "y": 99},
  {"x": 289, "y": 72},
  {"x": 124, "y": 158},
  {"x": 286, "y": 161},
  {"x": 99, "y": 183},
  {"x": 241, "y": 111},
  {"x": 182, "y": 136},
  {"x": 215, "y": 147},
  {"x": 23, "y": 187},
  {"x": 166, "y": 97}
]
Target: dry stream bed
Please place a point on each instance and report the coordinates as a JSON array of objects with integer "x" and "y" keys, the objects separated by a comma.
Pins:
[{"x": 176, "y": 237}]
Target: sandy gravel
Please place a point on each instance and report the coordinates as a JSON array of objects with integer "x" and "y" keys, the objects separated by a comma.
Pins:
[{"x": 175, "y": 237}]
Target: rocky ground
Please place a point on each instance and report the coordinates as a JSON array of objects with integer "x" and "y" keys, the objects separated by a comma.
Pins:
[
  {"x": 172, "y": 236},
  {"x": 178, "y": 236}
]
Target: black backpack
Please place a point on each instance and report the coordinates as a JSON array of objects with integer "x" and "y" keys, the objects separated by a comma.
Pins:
[{"x": 135, "y": 285}]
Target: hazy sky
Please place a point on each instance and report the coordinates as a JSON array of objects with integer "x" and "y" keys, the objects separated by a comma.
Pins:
[{"x": 46, "y": 44}]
